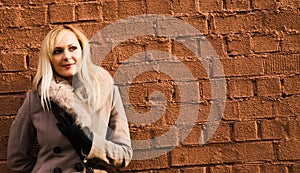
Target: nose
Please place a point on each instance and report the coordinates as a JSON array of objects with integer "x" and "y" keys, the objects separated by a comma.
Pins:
[{"x": 67, "y": 55}]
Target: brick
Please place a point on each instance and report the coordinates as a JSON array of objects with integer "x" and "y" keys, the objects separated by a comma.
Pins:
[
  {"x": 146, "y": 115},
  {"x": 13, "y": 2},
  {"x": 210, "y": 6},
  {"x": 242, "y": 23},
  {"x": 240, "y": 67},
  {"x": 259, "y": 109},
  {"x": 245, "y": 168},
  {"x": 56, "y": 11},
  {"x": 239, "y": 45},
  {"x": 294, "y": 129},
  {"x": 287, "y": 107},
  {"x": 282, "y": 20},
  {"x": 289, "y": 150},
  {"x": 194, "y": 169},
  {"x": 11, "y": 17},
  {"x": 238, "y": 5},
  {"x": 197, "y": 67},
  {"x": 213, "y": 154},
  {"x": 33, "y": 59},
  {"x": 27, "y": 38},
  {"x": 173, "y": 111},
  {"x": 90, "y": 29},
  {"x": 296, "y": 167},
  {"x": 183, "y": 156},
  {"x": 290, "y": 4},
  {"x": 35, "y": 16},
  {"x": 231, "y": 111},
  {"x": 131, "y": 8},
  {"x": 222, "y": 133},
  {"x": 273, "y": 129},
  {"x": 147, "y": 77},
  {"x": 212, "y": 113},
  {"x": 158, "y": 7},
  {"x": 169, "y": 140},
  {"x": 122, "y": 53},
  {"x": 185, "y": 6},
  {"x": 188, "y": 92},
  {"x": 179, "y": 30},
  {"x": 5, "y": 123},
  {"x": 240, "y": 88},
  {"x": 203, "y": 112},
  {"x": 274, "y": 168},
  {"x": 182, "y": 73},
  {"x": 141, "y": 133},
  {"x": 185, "y": 92},
  {"x": 137, "y": 94},
  {"x": 291, "y": 85},
  {"x": 180, "y": 50},
  {"x": 220, "y": 169},
  {"x": 19, "y": 16},
  {"x": 245, "y": 130},
  {"x": 264, "y": 5},
  {"x": 199, "y": 22},
  {"x": 157, "y": 162},
  {"x": 267, "y": 86},
  {"x": 13, "y": 61},
  {"x": 110, "y": 10},
  {"x": 166, "y": 88},
  {"x": 290, "y": 43},
  {"x": 27, "y": 16},
  {"x": 212, "y": 45},
  {"x": 4, "y": 168},
  {"x": 41, "y": 1},
  {"x": 282, "y": 64},
  {"x": 217, "y": 92},
  {"x": 156, "y": 45},
  {"x": 13, "y": 82},
  {"x": 169, "y": 170},
  {"x": 194, "y": 137},
  {"x": 10, "y": 104},
  {"x": 261, "y": 44},
  {"x": 89, "y": 11},
  {"x": 261, "y": 151}
]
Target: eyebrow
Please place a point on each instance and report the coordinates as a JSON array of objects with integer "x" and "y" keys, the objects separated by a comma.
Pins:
[{"x": 66, "y": 46}]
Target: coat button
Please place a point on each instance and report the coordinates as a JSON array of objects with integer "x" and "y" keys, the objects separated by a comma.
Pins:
[
  {"x": 57, "y": 150},
  {"x": 57, "y": 170},
  {"x": 78, "y": 167}
]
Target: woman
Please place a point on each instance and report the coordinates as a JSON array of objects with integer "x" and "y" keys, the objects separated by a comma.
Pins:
[{"x": 74, "y": 112}]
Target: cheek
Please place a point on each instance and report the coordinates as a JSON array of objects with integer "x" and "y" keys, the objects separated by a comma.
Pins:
[
  {"x": 78, "y": 55},
  {"x": 55, "y": 62}
]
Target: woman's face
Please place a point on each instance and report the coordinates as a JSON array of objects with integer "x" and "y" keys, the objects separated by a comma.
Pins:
[{"x": 66, "y": 55}]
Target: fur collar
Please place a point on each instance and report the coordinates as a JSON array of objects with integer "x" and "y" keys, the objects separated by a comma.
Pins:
[{"x": 71, "y": 98}]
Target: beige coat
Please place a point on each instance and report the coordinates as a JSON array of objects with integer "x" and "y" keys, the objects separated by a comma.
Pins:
[{"x": 111, "y": 144}]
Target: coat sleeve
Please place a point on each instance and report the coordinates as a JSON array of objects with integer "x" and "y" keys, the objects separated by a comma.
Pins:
[
  {"x": 21, "y": 139},
  {"x": 116, "y": 148}
]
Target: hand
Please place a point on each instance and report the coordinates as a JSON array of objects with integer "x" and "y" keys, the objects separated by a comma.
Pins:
[{"x": 80, "y": 137}]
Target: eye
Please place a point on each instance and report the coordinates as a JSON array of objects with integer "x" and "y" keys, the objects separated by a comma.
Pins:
[
  {"x": 57, "y": 51},
  {"x": 73, "y": 48}
]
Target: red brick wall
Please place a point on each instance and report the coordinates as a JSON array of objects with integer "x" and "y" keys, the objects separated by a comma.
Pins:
[{"x": 258, "y": 43}]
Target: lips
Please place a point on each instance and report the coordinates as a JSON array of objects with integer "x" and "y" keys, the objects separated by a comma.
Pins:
[{"x": 68, "y": 65}]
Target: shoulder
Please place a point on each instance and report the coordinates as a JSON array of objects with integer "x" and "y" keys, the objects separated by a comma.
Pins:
[
  {"x": 33, "y": 101},
  {"x": 104, "y": 78},
  {"x": 106, "y": 84},
  {"x": 104, "y": 74}
]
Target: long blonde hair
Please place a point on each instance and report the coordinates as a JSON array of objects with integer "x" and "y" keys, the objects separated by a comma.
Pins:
[{"x": 86, "y": 70}]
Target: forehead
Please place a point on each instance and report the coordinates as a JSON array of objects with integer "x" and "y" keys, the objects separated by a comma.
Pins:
[{"x": 65, "y": 38}]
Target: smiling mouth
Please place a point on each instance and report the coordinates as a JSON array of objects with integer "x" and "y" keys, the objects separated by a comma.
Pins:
[{"x": 69, "y": 65}]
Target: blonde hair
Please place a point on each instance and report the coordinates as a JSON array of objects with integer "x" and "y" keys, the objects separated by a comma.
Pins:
[{"x": 86, "y": 69}]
